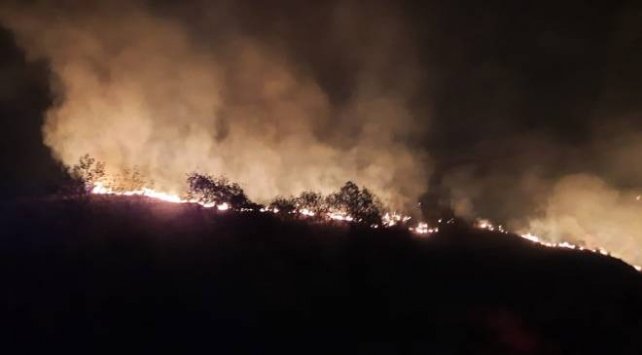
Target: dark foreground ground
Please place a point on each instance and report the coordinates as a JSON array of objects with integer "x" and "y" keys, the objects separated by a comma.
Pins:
[{"x": 130, "y": 275}]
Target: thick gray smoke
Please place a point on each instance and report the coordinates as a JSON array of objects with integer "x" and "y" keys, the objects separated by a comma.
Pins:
[{"x": 228, "y": 89}]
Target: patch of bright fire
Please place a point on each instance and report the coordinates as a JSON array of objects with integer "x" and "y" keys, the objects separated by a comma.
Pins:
[{"x": 388, "y": 219}]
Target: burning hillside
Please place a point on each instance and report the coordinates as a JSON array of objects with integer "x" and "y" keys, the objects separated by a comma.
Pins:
[
  {"x": 462, "y": 177},
  {"x": 292, "y": 101},
  {"x": 350, "y": 204}
]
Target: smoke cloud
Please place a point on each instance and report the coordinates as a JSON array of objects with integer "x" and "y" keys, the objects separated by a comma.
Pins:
[
  {"x": 227, "y": 89},
  {"x": 585, "y": 210},
  {"x": 534, "y": 119},
  {"x": 551, "y": 117}
]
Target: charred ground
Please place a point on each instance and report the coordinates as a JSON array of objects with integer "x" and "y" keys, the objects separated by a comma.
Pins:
[{"x": 102, "y": 272}]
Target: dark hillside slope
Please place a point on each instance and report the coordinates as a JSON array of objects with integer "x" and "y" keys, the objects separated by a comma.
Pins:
[{"x": 124, "y": 273}]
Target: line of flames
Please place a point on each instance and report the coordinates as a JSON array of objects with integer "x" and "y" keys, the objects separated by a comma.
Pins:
[
  {"x": 486, "y": 224},
  {"x": 389, "y": 219}
]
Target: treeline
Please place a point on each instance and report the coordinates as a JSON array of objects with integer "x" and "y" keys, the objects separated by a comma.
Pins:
[
  {"x": 350, "y": 202},
  {"x": 357, "y": 204}
]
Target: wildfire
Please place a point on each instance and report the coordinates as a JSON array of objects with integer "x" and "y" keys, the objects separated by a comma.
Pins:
[
  {"x": 423, "y": 228},
  {"x": 100, "y": 189},
  {"x": 340, "y": 216},
  {"x": 486, "y": 224},
  {"x": 389, "y": 219}
]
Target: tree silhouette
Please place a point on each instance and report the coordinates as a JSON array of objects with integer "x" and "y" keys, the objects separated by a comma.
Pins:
[
  {"x": 283, "y": 205},
  {"x": 83, "y": 176},
  {"x": 362, "y": 205},
  {"x": 208, "y": 189},
  {"x": 313, "y": 202}
]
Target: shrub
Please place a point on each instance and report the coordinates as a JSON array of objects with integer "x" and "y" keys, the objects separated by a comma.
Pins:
[
  {"x": 283, "y": 205},
  {"x": 313, "y": 202},
  {"x": 362, "y": 205},
  {"x": 208, "y": 189},
  {"x": 82, "y": 176}
]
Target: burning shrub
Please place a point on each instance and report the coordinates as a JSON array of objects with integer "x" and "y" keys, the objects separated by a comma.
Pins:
[
  {"x": 208, "y": 189},
  {"x": 360, "y": 204},
  {"x": 83, "y": 175},
  {"x": 350, "y": 204},
  {"x": 283, "y": 205},
  {"x": 307, "y": 204},
  {"x": 312, "y": 202},
  {"x": 130, "y": 180}
]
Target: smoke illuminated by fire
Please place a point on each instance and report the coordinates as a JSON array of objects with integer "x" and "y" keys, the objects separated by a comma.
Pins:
[
  {"x": 486, "y": 224},
  {"x": 584, "y": 209},
  {"x": 225, "y": 91},
  {"x": 137, "y": 88}
]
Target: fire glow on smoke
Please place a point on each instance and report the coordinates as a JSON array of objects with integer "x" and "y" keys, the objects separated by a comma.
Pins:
[
  {"x": 388, "y": 219},
  {"x": 179, "y": 88}
]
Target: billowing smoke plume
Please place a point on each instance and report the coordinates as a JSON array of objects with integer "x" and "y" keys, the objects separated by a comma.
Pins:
[
  {"x": 589, "y": 194},
  {"x": 549, "y": 109},
  {"x": 535, "y": 119},
  {"x": 604, "y": 208},
  {"x": 585, "y": 210},
  {"x": 281, "y": 99}
]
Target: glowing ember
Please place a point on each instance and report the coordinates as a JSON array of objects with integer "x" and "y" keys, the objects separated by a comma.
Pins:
[
  {"x": 488, "y": 225},
  {"x": 390, "y": 219},
  {"x": 340, "y": 216},
  {"x": 423, "y": 228}
]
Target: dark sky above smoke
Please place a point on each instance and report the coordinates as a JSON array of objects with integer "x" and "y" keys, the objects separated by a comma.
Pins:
[{"x": 507, "y": 97}]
